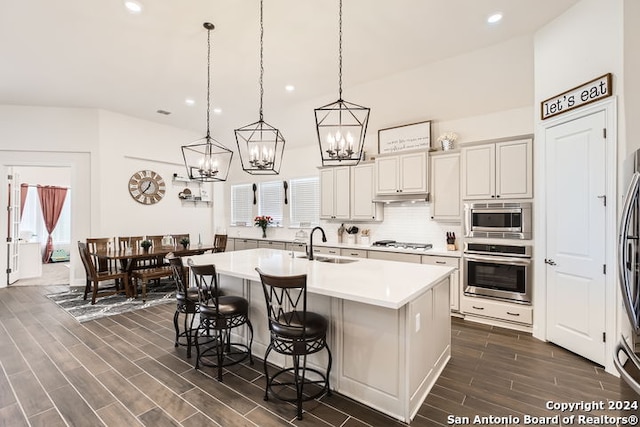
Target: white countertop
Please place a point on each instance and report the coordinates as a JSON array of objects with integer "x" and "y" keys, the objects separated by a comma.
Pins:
[{"x": 389, "y": 284}]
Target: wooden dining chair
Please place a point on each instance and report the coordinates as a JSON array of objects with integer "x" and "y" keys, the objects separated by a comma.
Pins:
[
  {"x": 219, "y": 243},
  {"x": 132, "y": 242},
  {"x": 100, "y": 244},
  {"x": 95, "y": 277}
]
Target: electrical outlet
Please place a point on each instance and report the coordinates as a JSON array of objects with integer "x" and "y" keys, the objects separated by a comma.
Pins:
[{"x": 418, "y": 322}]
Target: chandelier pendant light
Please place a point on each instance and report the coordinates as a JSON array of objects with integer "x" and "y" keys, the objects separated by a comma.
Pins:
[
  {"x": 341, "y": 125},
  {"x": 206, "y": 159},
  {"x": 260, "y": 145}
]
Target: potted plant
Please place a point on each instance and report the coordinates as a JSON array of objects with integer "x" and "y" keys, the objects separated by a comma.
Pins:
[
  {"x": 263, "y": 222},
  {"x": 145, "y": 244},
  {"x": 184, "y": 242}
]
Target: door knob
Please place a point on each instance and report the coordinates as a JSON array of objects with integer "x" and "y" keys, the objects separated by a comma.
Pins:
[{"x": 549, "y": 261}]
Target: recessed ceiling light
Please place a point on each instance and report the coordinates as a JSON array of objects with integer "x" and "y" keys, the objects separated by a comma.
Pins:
[
  {"x": 494, "y": 18},
  {"x": 217, "y": 110},
  {"x": 289, "y": 88},
  {"x": 133, "y": 6},
  {"x": 190, "y": 102}
]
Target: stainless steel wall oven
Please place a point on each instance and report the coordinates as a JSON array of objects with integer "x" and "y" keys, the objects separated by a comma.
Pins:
[
  {"x": 498, "y": 271},
  {"x": 498, "y": 220}
]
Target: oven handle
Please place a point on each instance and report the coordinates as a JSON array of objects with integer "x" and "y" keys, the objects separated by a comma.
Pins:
[{"x": 499, "y": 259}]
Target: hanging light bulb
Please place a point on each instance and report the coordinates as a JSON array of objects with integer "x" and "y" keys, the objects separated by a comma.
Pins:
[
  {"x": 341, "y": 126},
  {"x": 260, "y": 145},
  {"x": 206, "y": 159}
]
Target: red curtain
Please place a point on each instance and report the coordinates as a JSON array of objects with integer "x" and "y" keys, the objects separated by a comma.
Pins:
[
  {"x": 51, "y": 200},
  {"x": 23, "y": 197}
]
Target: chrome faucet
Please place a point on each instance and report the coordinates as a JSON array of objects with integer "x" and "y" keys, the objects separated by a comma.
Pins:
[{"x": 324, "y": 239}]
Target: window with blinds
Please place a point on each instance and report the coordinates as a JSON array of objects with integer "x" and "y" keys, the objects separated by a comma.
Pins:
[
  {"x": 241, "y": 205},
  {"x": 304, "y": 202},
  {"x": 271, "y": 200}
]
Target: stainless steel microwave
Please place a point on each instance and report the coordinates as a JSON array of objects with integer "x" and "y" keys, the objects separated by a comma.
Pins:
[{"x": 498, "y": 220}]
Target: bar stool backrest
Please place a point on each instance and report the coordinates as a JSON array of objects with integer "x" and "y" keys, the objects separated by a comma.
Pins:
[
  {"x": 179, "y": 274},
  {"x": 286, "y": 299},
  {"x": 206, "y": 279}
]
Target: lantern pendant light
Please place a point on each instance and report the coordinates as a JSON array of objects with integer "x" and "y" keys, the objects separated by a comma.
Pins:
[
  {"x": 341, "y": 126},
  {"x": 260, "y": 145},
  {"x": 206, "y": 159}
]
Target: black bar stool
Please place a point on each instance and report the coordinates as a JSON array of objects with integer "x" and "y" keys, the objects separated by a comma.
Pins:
[
  {"x": 187, "y": 303},
  {"x": 294, "y": 332},
  {"x": 220, "y": 314}
]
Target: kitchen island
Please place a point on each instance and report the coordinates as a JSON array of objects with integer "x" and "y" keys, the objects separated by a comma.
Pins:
[{"x": 390, "y": 331}]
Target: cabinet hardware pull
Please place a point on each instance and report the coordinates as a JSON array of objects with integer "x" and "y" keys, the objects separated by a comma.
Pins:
[
  {"x": 440, "y": 262},
  {"x": 513, "y": 314},
  {"x": 477, "y": 308},
  {"x": 353, "y": 254}
]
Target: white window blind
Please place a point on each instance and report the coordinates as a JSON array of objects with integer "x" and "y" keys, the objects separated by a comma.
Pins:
[
  {"x": 305, "y": 202},
  {"x": 271, "y": 200},
  {"x": 241, "y": 205}
]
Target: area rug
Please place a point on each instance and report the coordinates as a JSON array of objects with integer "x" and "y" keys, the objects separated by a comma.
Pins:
[{"x": 73, "y": 303}]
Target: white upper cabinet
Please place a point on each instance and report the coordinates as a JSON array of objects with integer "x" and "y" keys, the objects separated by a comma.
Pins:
[
  {"x": 346, "y": 193},
  {"x": 402, "y": 173},
  {"x": 445, "y": 187},
  {"x": 335, "y": 184},
  {"x": 500, "y": 170},
  {"x": 362, "y": 193}
]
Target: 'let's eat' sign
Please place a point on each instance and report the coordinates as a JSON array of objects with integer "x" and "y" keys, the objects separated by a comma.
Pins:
[{"x": 577, "y": 97}]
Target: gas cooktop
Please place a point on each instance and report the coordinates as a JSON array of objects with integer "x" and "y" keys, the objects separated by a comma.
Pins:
[{"x": 402, "y": 245}]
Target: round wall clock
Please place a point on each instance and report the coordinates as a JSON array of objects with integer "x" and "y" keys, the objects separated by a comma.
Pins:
[{"x": 146, "y": 187}]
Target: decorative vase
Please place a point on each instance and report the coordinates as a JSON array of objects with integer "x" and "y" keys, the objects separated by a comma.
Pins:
[
  {"x": 145, "y": 249},
  {"x": 446, "y": 145},
  {"x": 264, "y": 232},
  {"x": 185, "y": 246}
]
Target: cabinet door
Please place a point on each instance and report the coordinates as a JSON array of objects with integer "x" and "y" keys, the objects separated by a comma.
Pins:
[
  {"x": 413, "y": 173},
  {"x": 342, "y": 192},
  {"x": 362, "y": 192},
  {"x": 514, "y": 166},
  {"x": 445, "y": 187},
  {"x": 327, "y": 179},
  {"x": 478, "y": 172},
  {"x": 387, "y": 175}
]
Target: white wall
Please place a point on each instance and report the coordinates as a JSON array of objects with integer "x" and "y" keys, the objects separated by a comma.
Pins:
[
  {"x": 103, "y": 150},
  {"x": 585, "y": 42}
]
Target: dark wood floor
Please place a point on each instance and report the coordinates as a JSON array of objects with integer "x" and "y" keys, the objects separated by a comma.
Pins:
[{"x": 124, "y": 370}]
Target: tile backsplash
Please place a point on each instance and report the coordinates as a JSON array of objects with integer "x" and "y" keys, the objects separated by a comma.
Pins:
[{"x": 404, "y": 222}]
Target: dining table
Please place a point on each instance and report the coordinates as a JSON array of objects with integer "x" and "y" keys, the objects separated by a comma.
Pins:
[{"x": 130, "y": 258}]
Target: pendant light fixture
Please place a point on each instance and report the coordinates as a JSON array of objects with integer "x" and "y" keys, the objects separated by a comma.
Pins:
[
  {"x": 342, "y": 125},
  {"x": 260, "y": 145},
  {"x": 206, "y": 159}
]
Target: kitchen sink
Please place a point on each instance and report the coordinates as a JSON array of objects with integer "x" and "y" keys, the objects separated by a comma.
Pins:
[
  {"x": 330, "y": 260},
  {"x": 336, "y": 260}
]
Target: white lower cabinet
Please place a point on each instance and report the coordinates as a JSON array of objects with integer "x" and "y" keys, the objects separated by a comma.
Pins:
[
  {"x": 518, "y": 313},
  {"x": 394, "y": 256},
  {"x": 268, "y": 244},
  {"x": 455, "y": 277},
  {"x": 354, "y": 253},
  {"x": 241, "y": 244}
]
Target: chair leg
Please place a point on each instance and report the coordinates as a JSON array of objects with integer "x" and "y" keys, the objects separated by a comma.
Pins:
[
  {"x": 220, "y": 351},
  {"x": 299, "y": 382},
  {"x": 329, "y": 370},
  {"x": 175, "y": 326},
  {"x": 266, "y": 372},
  {"x": 95, "y": 293},
  {"x": 189, "y": 337},
  {"x": 87, "y": 287},
  {"x": 250, "y": 341},
  {"x": 195, "y": 338}
]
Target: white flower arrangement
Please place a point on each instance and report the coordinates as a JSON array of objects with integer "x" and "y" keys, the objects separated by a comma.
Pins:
[{"x": 448, "y": 136}]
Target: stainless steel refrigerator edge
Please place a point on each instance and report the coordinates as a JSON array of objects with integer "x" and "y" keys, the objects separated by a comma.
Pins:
[{"x": 629, "y": 267}]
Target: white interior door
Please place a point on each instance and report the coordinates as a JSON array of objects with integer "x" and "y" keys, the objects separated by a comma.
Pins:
[
  {"x": 13, "y": 248},
  {"x": 575, "y": 235}
]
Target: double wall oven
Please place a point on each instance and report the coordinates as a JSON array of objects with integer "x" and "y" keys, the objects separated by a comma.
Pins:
[{"x": 494, "y": 266}]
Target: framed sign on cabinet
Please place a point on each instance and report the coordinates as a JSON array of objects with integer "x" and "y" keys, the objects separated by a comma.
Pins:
[{"x": 414, "y": 136}]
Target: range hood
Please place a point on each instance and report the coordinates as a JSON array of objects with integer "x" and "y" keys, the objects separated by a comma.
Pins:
[{"x": 399, "y": 198}]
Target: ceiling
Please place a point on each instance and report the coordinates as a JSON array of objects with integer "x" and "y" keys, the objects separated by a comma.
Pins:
[{"x": 95, "y": 54}]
